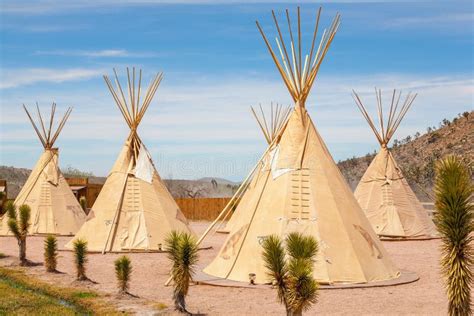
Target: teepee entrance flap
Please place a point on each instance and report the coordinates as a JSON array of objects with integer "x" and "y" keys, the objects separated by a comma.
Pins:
[{"x": 144, "y": 168}]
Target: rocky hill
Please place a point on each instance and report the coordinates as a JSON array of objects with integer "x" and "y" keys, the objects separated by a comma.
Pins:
[{"x": 416, "y": 154}]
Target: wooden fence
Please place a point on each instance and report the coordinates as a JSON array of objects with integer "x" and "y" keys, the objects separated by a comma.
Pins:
[
  {"x": 207, "y": 209},
  {"x": 202, "y": 208}
]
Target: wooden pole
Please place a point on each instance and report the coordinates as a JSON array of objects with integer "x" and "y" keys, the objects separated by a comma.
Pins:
[
  {"x": 42, "y": 124},
  {"x": 293, "y": 78},
  {"x": 35, "y": 128},
  {"x": 51, "y": 119}
]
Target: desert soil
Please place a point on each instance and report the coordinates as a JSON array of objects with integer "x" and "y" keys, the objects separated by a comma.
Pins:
[{"x": 150, "y": 271}]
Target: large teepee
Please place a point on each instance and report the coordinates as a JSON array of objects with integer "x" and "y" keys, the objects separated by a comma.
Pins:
[
  {"x": 54, "y": 208},
  {"x": 134, "y": 211},
  {"x": 383, "y": 192},
  {"x": 297, "y": 187}
]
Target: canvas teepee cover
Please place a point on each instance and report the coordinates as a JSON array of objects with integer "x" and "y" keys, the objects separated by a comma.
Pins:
[
  {"x": 134, "y": 210},
  {"x": 54, "y": 208},
  {"x": 297, "y": 187},
  {"x": 383, "y": 192}
]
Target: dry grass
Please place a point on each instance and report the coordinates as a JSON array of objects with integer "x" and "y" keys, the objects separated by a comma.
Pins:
[{"x": 25, "y": 295}]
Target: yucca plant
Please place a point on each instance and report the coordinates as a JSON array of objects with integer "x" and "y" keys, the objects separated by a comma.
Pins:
[
  {"x": 19, "y": 224},
  {"x": 83, "y": 203},
  {"x": 80, "y": 258},
  {"x": 50, "y": 253},
  {"x": 454, "y": 219},
  {"x": 291, "y": 269},
  {"x": 123, "y": 270},
  {"x": 183, "y": 253}
]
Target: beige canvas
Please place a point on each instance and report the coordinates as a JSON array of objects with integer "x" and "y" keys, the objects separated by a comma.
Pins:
[
  {"x": 383, "y": 192},
  {"x": 134, "y": 210},
  {"x": 54, "y": 208},
  {"x": 311, "y": 197}
]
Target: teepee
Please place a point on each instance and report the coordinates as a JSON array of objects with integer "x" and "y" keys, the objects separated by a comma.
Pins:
[
  {"x": 297, "y": 187},
  {"x": 134, "y": 210},
  {"x": 383, "y": 192},
  {"x": 54, "y": 208}
]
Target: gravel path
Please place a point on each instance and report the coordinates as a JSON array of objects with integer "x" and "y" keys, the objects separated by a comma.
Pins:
[{"x": 424, "y": 297}]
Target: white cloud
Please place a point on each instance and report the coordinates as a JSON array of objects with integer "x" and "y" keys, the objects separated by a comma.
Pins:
[
  {"x": 97, "y": 53},
  {"x": 54, "y": 6},
  {"x": 12, "y": 78},
  {"x": 211, "y": 118},
  {"x": 431, "y": 21}
]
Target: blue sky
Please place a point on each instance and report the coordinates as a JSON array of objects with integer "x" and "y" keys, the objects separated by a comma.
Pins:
[{"x": 216, "y": 65}]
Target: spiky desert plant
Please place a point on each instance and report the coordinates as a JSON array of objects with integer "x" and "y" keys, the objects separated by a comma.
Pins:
[
  {"x": 80, "y": 258},
  {"x": 123, "y": 270},
  {"x": 83, "y": 203},
  {"x": 183, "y": 253},
  {"x": 50, "y": 253},
  {"x": 291, "y": 269},
  {"x": 19, "y": 224},
  {"x": 275, "y": 264},
  {"x": 455, "y": 222}
]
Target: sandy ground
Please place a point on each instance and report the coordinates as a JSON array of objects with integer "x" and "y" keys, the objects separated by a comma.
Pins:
[{"x": 424, "y": 297}]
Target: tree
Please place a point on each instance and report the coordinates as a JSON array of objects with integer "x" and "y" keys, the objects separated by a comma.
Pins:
[
  {"x": 50, "y": 253},
  {"x": 80, "y": 258},
  {"x": 293, "y": 277},
  {"x": 183, "y": 253},
  {"x": 19, "y": 224},
  {"x": 74, "y": 172},
  {"x": 123, "y": 270},
  {"x": 455, "y": 222}
]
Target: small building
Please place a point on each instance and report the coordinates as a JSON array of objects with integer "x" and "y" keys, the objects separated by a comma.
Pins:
[{"x": 82, "y": 188}]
